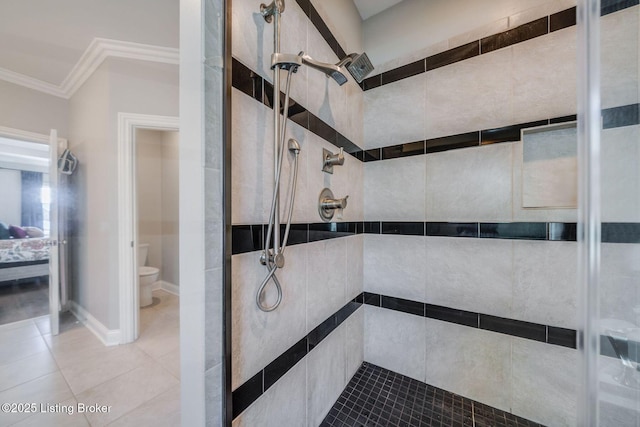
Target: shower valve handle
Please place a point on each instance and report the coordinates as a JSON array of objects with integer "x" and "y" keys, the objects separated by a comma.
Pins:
[
  {"x": 327, "y": 204},
  {"x": 329, "y": 160}
]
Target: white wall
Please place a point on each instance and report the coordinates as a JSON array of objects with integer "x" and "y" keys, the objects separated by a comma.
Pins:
[
  {"x": 170, "y": 208},
  {"x": 149, "y": 194},
  {"x": 10, "y": 194},
  {"x": 413, "y": 25},
  {"x": 157, "y": 199},
  {"x": 119, "y": 85},
  {"x": 344, "y": 21},
  {"x": 30, "y": 110}
]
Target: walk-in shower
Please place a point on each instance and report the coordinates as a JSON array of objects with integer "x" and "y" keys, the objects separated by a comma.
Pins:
[{"x": 359, "y": 66}]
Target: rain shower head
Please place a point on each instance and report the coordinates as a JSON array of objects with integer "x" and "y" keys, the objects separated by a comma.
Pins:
[{"x": 358, "y": 65}]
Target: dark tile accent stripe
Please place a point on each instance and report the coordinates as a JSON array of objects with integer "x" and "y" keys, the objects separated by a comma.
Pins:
[
  {"x": 372, "y": 299},
  {"x": 514, "y": 230},
  {"x": 404, "y": 228},
  {"x": 563, "y": 19},
  {"x": 453, "y": 229},
  {"x": 253, "y": 388},
  {"x": 518, "y": 328},
  {"x": 247, "y": 393},
  {"x": 403, "y": 72},
  {"x": 620, "y": 232},
  {"x": 404, "y": 305},
  {"x": 283, "y": 363},
  {"x": 330, "y": 230},
  {"x": 322, "y": 27},
  {"x": 563, "y": 231},
  {"x": 563, "y": 119},
  {"x": 464, "y": 140},
  {"x": 403, "y": 150},
  {"x": 562, "y": 336},
  {"x": 249, "y": 238},
  {"x": 524, "y": 32},
  {"x": 452, "y": 315},
  {"x": 454, "y": 55},
  {"x": 372, "y": 82},
  {"x": 507, "y": 133},
  {"x": 610, "y": 6},
  {"x": 626, "y": 115},
  {"x": 373, "y": 155}
]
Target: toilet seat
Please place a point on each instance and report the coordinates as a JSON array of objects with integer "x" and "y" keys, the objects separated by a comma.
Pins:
[{"x": 144, "y": 270}]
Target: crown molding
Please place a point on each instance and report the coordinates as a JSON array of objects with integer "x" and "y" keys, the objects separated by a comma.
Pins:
[{"x": 95, "y": 54}]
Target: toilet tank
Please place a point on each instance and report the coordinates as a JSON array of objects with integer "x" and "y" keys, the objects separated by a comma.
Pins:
[{"x": 143, "y": 251}]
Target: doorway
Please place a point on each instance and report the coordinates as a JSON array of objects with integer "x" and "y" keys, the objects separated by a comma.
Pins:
[{"x": 129, "y": 126}]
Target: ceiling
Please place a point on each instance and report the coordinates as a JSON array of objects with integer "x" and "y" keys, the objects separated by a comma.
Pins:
[
  {"x": 368, "y": 8},
  {"x": 44, "y": 39}
]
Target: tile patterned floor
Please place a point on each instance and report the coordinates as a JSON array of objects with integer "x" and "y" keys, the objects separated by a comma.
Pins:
[
  {"x": 378, "y": 397},
  {"x": 141, "y": 380}
]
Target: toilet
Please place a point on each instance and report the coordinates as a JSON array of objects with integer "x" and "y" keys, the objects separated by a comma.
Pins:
[{"x": 147, "y": 276}]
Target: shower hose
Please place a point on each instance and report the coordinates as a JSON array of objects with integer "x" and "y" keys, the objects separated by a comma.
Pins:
[{"x": 277, "y": 260}]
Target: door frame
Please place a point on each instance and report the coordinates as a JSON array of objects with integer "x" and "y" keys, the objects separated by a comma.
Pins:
[
  {"x": 28, "y": 136},
  {"x": 128, "y": 123}
]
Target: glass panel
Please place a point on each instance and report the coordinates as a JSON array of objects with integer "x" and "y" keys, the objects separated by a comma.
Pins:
[{"x": 619, "y": 305}]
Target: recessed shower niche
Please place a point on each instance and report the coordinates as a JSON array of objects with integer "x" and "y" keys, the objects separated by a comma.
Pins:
[{"x": 550, "y": 167}]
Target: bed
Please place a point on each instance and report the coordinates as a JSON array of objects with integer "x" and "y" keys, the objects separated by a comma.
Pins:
[{"x": 23, "y": 258}]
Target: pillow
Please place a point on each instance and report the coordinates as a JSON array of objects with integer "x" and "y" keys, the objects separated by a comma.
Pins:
[
  {"x": 4, "y": 231},
  {"x": 33, "y": 231},
  {"x": 17, "y": 232}
]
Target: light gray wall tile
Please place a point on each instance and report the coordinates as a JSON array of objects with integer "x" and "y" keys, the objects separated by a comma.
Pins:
[
  {"x": 470, "y": 362},
  {"x": 355, "y": 268},
  {"x": 544, "y": 76},
  {"x": 619, "y": 276},
  {"x": 284, "y": 404},
  {"x": 259, "y": 337},
  {"x": 213, "y": 395},
  {"x": 470, "y": 274},
  {"x": 471, "y": 184},
  {"x": 326, "y": 99},
  {"x": 545, "y": 283},
  {"x": 395, "y": 113},
  {"x": 469, "y": 95},
  {"x": 326, "y": 369},
  {"x": 394, "y": 189},
  {"x": 354, "y": 347},
  {"x": 252, "y": 37},
  {"x": 544, "y": 387},
  {"x": 395, "y": 266},
  {"x": 619, "y": 58},
  {"x": 395, "y": 341},
  {"x": 326, "y": 280},
  {"x": 620, "y": 192},
  {"x": 252, "y": 160},
  {"x": 213, "y": 317}
]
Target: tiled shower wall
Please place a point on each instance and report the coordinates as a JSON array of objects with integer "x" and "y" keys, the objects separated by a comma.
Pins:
[
  {"x": 533, "y": 281},
  {"x": 319, "y": 277}
]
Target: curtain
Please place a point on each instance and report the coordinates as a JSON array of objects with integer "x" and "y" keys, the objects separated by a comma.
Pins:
[{"x": 31, "y": 202}]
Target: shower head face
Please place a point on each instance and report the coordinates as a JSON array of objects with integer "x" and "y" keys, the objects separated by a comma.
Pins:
[
  {"x": 338, "y": 77},
  {"x": 360, "y": 67}
]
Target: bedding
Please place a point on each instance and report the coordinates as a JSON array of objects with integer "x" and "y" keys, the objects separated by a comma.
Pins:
[
  {"x": 23, "y": 250},
  {"x": 23, "y": 258}
]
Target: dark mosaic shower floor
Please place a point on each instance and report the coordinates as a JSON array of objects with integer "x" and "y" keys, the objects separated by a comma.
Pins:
[{"x": 378, "y": 397}]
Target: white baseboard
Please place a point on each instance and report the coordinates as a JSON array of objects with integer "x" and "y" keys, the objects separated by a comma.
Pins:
[
  {"x": 108, "y": 337},
  {"x": 166, "y": 286}
]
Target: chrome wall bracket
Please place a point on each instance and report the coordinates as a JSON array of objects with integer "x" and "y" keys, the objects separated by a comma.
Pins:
[
  {"x": 329, "y": 160},
  {"x": 327, "y": 204},
  {"x": 277, "y": 6}
]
